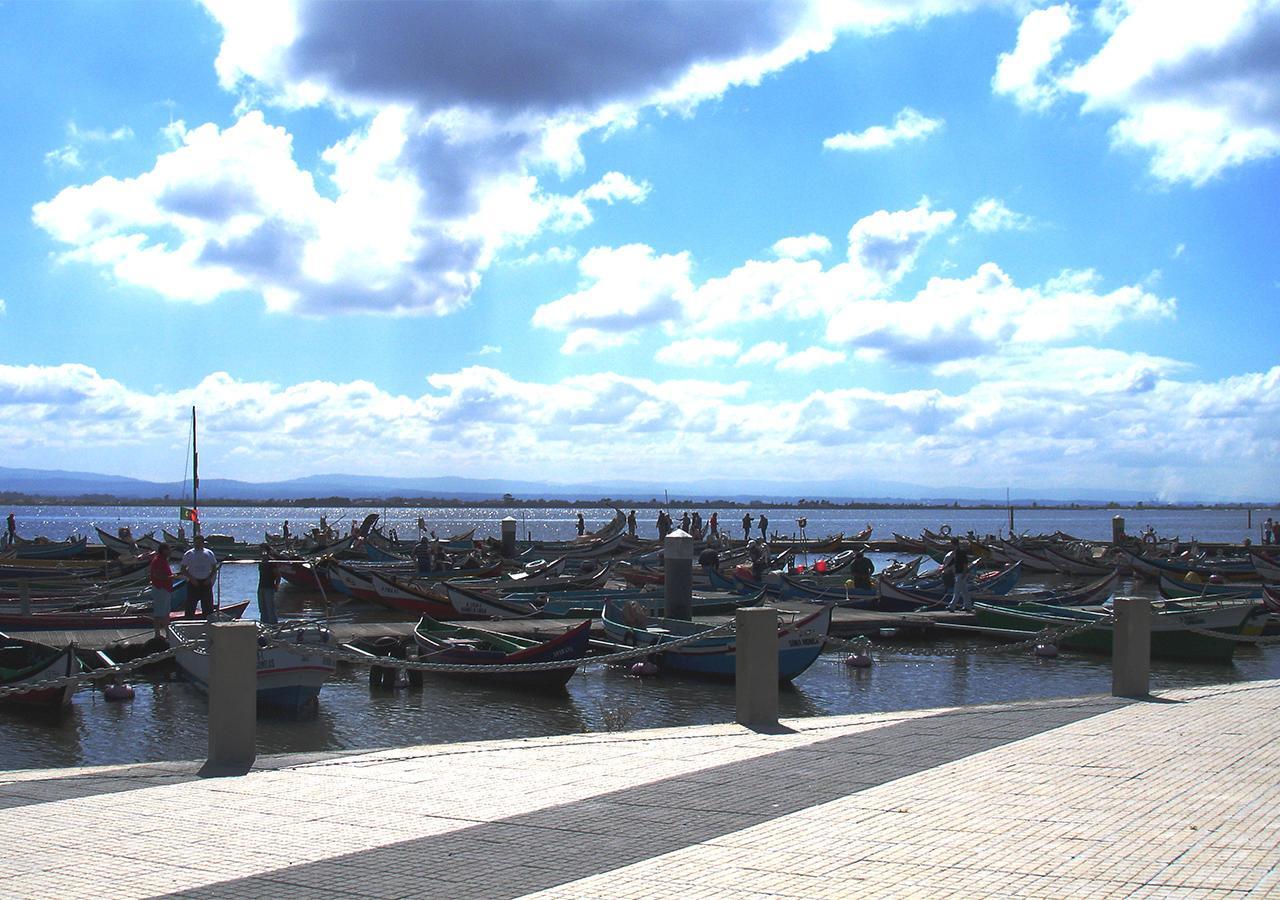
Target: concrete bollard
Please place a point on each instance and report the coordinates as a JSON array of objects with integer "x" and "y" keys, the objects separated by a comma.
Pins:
[
  {"x": 677, "y": 551},
  {"x": 1131, "y": 647},
  {"x": 756, "y": 666},
  {"x": 233, "y": 694},
  {"x": 509, "y": 538},
  {"x": 1117, "y": 529}
]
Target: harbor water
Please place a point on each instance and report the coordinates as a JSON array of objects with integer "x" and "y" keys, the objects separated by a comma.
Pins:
[{"x": 166, "y": 719}]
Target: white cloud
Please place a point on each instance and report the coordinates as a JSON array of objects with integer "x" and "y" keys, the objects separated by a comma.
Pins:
[
  {"x": 1072, "y": 415},
  {"x": 550, "y": 256},
  {"x": 990, "y": 214},
  {"x": 801, "y": 246},
  {"x": 908, "y": 125},
  {"x": 1024, "y": 74},
  {"x": 488, "y": 350},
  {"x": 69, "y": 155},
  {"x": 811, "y": 358},
  {"x": 764, "y": 353},
  {"x": 987, "y": 313},
  {"x": 696, "y": 352},
  {"x": 1195, "y": 85},
  {"x": 628, "y": 288},
  {"x": 885, "y": 244}
]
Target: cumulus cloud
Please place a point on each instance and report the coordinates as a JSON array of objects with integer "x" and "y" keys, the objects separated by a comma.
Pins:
[
  {"x": 696, "y": 352},
  {"x": 990, "y": 214},
  {"x": 1070, "y": 416},
  {"x": 1025, "y": 73},
  {"x": 801, "y": 246},
  {"x": 763, "y": 353},
  {"x": 230, "y": 210},
  {"x": 811, "y": 358},
  {"x": 957, "y": 318},
  {"x": 1195, "y": 85},
  {"x": 908, "y": 125}
]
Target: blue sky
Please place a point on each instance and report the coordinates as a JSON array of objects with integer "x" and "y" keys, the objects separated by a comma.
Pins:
[{"x": 944, "y": 243}]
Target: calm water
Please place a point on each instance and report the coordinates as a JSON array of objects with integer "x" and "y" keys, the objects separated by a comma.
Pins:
[{"x": 166, "y": 720}]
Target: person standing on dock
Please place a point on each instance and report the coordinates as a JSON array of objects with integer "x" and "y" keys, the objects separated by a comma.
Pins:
[
  {"x": 764, "y": 527},
  {"x": 268, "y": 581},
  {"x": 161, "y": 589},
  {"x": 956, "y": 563},
  {"x": 746, "y": 526},
  {"x": 200, "y": 567},
  {"x": 714, "y": 523},
  {"x": 11, "y": 535},
  {"x": 631, "y": 523},
  {"x": 582, "y": 525},
  {"x": 1267, "y": 527}
]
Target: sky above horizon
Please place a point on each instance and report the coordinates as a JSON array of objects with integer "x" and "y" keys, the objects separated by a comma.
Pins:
[{"x": 945, "y": 242}]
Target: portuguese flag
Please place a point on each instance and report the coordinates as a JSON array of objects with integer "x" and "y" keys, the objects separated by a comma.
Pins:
[{"x": 187, "y": 514}]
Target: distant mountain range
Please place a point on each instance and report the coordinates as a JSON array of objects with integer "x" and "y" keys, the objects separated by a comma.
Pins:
[{"x": 66, "y": 485}]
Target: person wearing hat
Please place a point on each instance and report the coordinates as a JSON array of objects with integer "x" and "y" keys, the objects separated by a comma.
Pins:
[
  {"x": 161, "y": 589},
  {"x": 268, "y": 581}
]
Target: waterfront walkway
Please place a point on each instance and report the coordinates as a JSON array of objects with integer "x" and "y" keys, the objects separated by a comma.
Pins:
[{"x": 1175, "y": 796}]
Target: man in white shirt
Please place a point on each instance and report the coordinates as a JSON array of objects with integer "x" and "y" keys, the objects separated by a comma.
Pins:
[{"x": 200, "y": 566}]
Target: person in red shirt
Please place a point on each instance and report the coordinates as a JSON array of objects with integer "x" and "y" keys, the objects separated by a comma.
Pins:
[{"x": 161, "y": 589}]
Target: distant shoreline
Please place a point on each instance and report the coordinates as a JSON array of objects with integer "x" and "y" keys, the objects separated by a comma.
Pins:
[{"x": 26, "y": 500}]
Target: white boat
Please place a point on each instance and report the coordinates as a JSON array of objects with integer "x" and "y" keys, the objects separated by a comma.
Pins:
[{"x": 288, "y": 676}]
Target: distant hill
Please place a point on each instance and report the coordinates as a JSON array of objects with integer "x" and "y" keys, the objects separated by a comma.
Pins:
[{"x": 62, "y": 484}]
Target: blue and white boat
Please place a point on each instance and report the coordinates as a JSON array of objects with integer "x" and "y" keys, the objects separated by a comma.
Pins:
[
  {"x": 289, "y": 677},
  {"x": 799, "y": 642}
]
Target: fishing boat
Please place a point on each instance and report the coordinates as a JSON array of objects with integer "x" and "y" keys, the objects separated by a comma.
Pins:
[
  {"x": 462, "y": 645},
  {"x": 289, "y": 677},
  {"x": 799, "y": 642},
  {"x": 1172, "y": 636},
  {"x": 43, "y": 548},
  {"x": 472, "y": 603},
  {"x": 112, "y": 618},
  {"x": 30, "y": 662}
]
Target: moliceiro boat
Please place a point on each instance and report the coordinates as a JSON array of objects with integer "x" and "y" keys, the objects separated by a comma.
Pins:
[
  {"x": 289, "y": 677},
  {"x": 439, "y": 642},
  {"x": 30, "y": 662},
  {"x": 1177, "y": 632},
  {"x": 799, "y": 643}
]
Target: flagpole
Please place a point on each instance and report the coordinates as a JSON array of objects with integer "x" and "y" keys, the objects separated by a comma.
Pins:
[{"x": 195, "y": 475}]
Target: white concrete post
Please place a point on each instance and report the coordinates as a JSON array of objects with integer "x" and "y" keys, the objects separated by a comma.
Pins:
[
  {"x": 509, "y": 538},
  {"x": 233, "y": 694},
  {"x": 1131, "y": 647},
  {"x": 678, "y": 565},
  {"x": 756, "y": 666},
  {"x": 1117, "y": 529}
]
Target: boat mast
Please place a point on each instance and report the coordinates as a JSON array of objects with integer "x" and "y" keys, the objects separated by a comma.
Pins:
[{"x": 195, "y": 476}]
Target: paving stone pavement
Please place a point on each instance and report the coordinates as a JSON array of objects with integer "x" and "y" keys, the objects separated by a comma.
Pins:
[{"x": 1176, "y": 796}]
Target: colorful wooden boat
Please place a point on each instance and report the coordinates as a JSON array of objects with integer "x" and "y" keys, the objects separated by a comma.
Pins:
[
  {"x": 30, "y": 662},
  {"x": 119, "y": 618},
  {"x": 799, "y": 642},
  {"x": 1171, "y": 634},
  {"x": 463, "y": 645},
  {"x": 289, "y": 678}
]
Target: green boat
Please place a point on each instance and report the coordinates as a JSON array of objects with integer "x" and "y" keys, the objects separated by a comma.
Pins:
[{"x": 1172, "y": 636}]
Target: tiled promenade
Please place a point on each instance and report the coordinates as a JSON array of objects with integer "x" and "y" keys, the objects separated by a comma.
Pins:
[{"x": 1178, "y": 796}]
